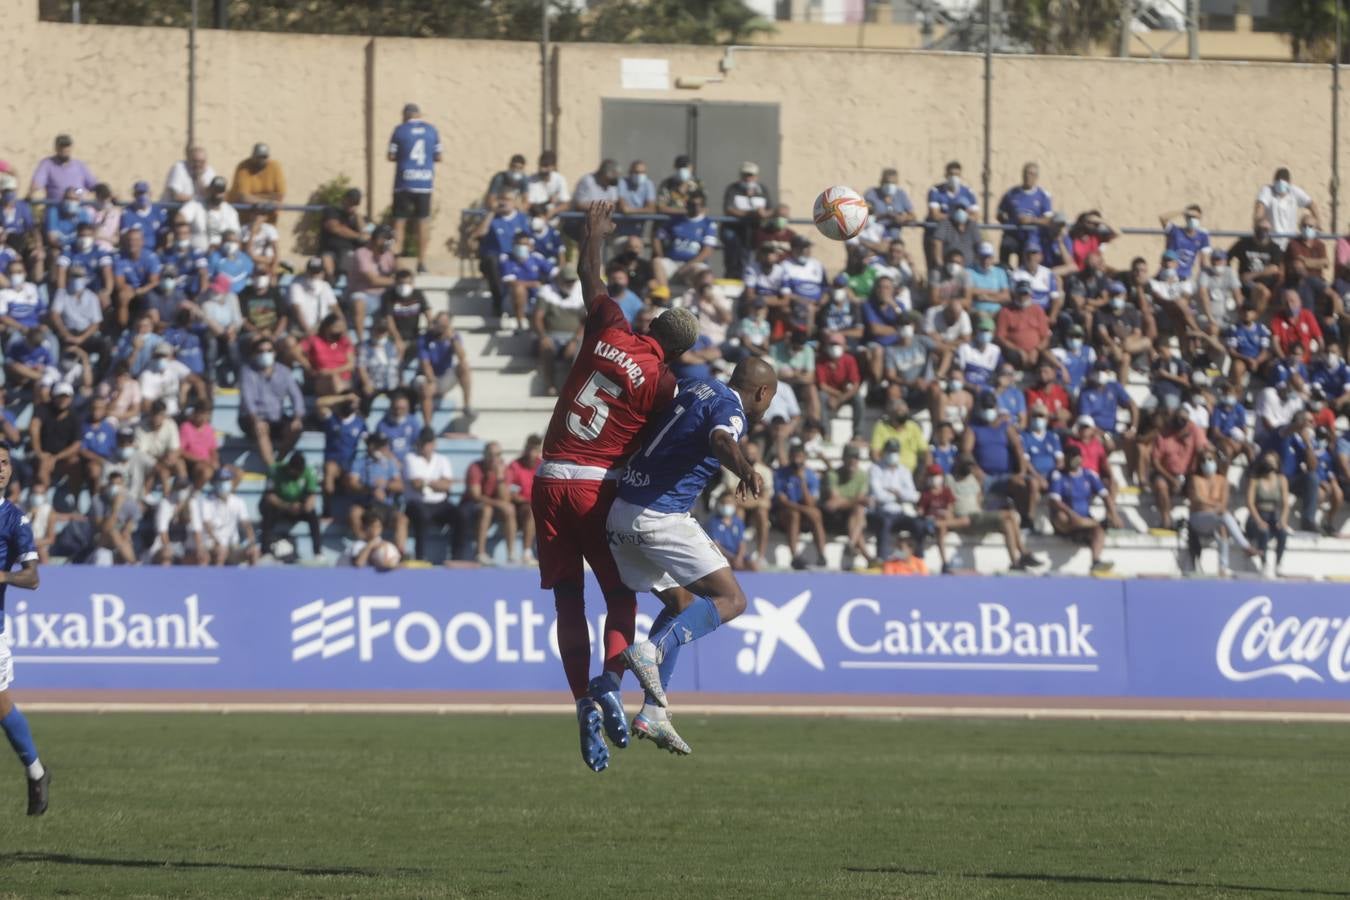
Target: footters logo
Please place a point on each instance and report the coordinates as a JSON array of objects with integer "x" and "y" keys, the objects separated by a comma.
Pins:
[{"x": 1255, "y": 644}]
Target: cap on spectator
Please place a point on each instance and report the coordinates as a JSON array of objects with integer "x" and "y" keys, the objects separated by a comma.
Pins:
[
  {"x": 1115, "y": 288},
  {"x": 1021, "y": 286},
  {"x": 426, "y": 436},
  {"x": 1085, "y": 420},
  {"x": 984, "y": 323},
  {"x": 1218, "y": 255},
  {"x": 261, "y": 150},
  {"x": 985, "y": 250},
  {"x": 63, "y": 140},
  {"x": 163, "y": 348},
  {"x": 841, "y": 280},
  {"x": 314, "y": 266},
  {"x": 5, "y": 167},
  {"x": 682, "y": 160},
  {"x": 986, "y": 400},
  {"x": 1076, "y": 331},
  {"x": 1170, "y": 256},
  {"x": 749, "y": 168},
  {"x": 63, "y": 389},
  {"x": 219, "y": 183},
  {"x": 221, "y": 284},
  {"x": 933, "y": 469},
  {"x": 140, "y": 187},
  {"x": 411, "y": 109}
]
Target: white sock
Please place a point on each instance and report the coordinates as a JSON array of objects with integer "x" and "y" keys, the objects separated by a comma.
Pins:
[
  {"x": 653, "y": 712},
  {"x": 36, "y": 771}
]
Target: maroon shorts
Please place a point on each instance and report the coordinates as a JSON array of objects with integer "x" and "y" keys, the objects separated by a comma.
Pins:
[{"x": 569, "y": 519}]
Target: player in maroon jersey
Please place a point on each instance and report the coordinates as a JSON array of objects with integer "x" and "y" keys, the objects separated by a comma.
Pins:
[{"x": 617, "y": 381}]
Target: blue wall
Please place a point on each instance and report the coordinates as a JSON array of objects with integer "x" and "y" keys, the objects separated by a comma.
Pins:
[{"x": 335, "y": 629}]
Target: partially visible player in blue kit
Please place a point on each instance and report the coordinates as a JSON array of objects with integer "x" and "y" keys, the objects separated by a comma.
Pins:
[
  {"x": 17, "y": 548},
  {"x": 659, "y": 547}
]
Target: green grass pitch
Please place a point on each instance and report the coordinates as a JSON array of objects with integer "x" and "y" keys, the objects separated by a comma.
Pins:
[{"x": 246, "y": 806}]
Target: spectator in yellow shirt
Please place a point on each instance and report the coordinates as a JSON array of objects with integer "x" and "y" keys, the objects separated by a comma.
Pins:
[
  {"x": 259, "y": 180},
  {"x": 900, "y": 427}
]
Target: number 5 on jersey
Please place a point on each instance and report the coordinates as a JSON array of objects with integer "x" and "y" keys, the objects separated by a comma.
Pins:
[{"x": 594, "y": 397}]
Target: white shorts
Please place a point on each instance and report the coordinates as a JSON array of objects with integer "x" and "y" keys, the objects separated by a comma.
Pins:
[
  {"x": 6, "y": 665},
  {"x": 655, "y": 551}
]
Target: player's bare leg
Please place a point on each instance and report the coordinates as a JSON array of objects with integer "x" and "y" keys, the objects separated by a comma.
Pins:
[{"x": 20, "y": 737}]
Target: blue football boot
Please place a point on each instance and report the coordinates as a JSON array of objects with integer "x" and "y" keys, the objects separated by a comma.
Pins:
[
  {"x": 593, "y": 750},
  {"x": 603, "y": 692}
]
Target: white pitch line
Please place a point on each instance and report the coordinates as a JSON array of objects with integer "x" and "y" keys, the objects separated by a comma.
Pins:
[{"x": 862, "y": 712}]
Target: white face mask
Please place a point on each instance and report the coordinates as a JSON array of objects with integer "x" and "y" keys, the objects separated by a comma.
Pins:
[
  {"x": 1075, "y": 344},
  {"x": 229, "y": 248},
  {"x": 265, "y": 360},
  {"x": 1193, "y": 223},
  {"x": 260, "y": 283},
  {"x": 1038, "y": 424},
  {"x": 224, "y": 488},
  {"x": 937, "y": 481},
  {"x": 960, "y": 216},
  {"x": 538, "y": 225},
  {"x": 840, "y": 296},
  {"x": 989, "y": 415},
  {"x": 726, "y": 511},
  {"x": 520, "y": 252},
  {"x": 684, "y": 174},
  {"x": 1209, "y": 467},
  {"x": 77, "y": 285},
  {"x": 890, "y": 188},
  {"x": 17, "y": 279},
  {"x": 168, "y": 284},
  {"x": 1333, "y": 360},
  {"x": 37, "y": 498},
  {"x": 954, "y": 182},
  {"x": 982, "y": 338},
  {"x": 1281, "y": 187},
  {"x": 84, "y": 242},
  {"x": 907, "y": 331},
  {"x": 404, "y": 290},
  {"x": 835, "y": 351},
  {"x": 954, "y": 386},
  {"x": 891, "y": 460},
  {"x": 1117, "y": 303},
  {"x": 182, "y": 244},
  {"x": 1309, "y": 232},
  {"x": 953, "y": 269}
]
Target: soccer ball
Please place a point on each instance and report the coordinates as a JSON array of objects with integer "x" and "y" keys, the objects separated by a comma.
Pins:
[
  {"x": 386, "y": 557},
  {"x": 840, "y": 213}
]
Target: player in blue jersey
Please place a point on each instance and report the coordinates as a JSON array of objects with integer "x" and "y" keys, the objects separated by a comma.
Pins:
[
  {"x": 17, "y": 548},
  {"x": 414, "y": 149},
  {"x": 659, "y": 547}
]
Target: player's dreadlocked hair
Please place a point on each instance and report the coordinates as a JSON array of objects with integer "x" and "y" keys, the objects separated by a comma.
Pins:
[{"x": 676, "y": 329}]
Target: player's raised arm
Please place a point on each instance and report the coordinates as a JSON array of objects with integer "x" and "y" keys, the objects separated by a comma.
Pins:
[{"x": 599, "y": 223}]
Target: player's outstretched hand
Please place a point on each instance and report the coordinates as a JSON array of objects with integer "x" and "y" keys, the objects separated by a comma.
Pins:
[
  {"x": 600, "y": 217},
  {"x": 750, "y": 487}
]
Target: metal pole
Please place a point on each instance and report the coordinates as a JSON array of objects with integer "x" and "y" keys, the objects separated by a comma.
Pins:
[
  {"x": 1193, "y": 28},
  {"x": 75, "y": 13},
  {"x": 1126, "y": 19},
  {"x": 545, "y": 85},
  {"x": 192, "y": 80},
  {"x": 988, "y": 99},
  {"x": 1336, "y": 125}
]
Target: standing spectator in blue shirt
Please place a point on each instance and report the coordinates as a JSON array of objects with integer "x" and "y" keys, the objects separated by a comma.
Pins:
[
  {"x": 1072, "y": 490},
  {"x": 796, "y": 490},
  {"x": 442, "y": 364},
  {"x": 1027, "y": 206},
  {"x": 950, "y": 192},
  {"x": 496, "y": 236},
  {"x": 523, "y": 271},
  {"x": 683, "y": 246},
  {"x": 727, "y": 529},
  {"x": 142, "y": 211},
  {"x": 414, "y": 149},
  {"x": 1188, "y": 241},
  {"x": 637, "y": 196}
]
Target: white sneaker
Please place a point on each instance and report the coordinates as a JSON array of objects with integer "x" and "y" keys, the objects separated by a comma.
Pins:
[
  {"x": 485, "y": 560},
  {"x": 527, "y": 558}
]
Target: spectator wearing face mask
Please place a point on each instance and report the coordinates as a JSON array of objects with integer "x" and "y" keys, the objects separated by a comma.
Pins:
[
  {"x": 1281, "y": 203},
  {"x": 231, "y": 261},
  {"x": 27, "y": 359},
  {"x": 442, "y": 365},
  {"x": 1187, "y": 241},
  {"x": 957, "y": 504},
  {"x": 1249, "y": 344},
  {"x": 683, "y": 246},
  {"x": 98, "y": 445},
  {"x": 379, "y": 364},
  {"x": 194, "y": 265},
  {"x": 1276, "y": 406},
  {"x": 343, "y": 432},
  {"x": 1218, "y": 293},
  {"x": 775, "y": 229},
  {"x": 795, "y": 359},
  {"x": 796, "y": 491},
  {"x": 511, "y": 180},
  {"x": 992, "y": 440},
  {"x": 840, "y": 384},
  {"x": 1009, "y": 397},
  {"x": 62, "y": 220},
  {"x": 1045, "y": 284},
  {"x": 990, "y": 289},
  {"x": 1088, "y": 292},
  {"x": 271, "y": 407},
  {"x": 1075, "y": 359},
  {"x": 898, "y": 425},
  {"x": 804, "y": 284},
  {"x": 115, "y": 513},
  {"x": 883, "y": 319},
  {"x": 523, "y": 271},
  {"x": 400, "y": 425},
  {"x": 1027, "y": 206},
  {"x": 144, "y": 212},
  {"x": 136, "y": 272},
  {"x": 1330, "y": 372},
  {"x": 1103, "y": 399},
  {"x": 224, "y": 323},
  {"x": 311, "y": 300},
  {"x": 1295, "y": 329},
  {"x": 1170, "y": 375},
  {"x": 1228, "y": 425},
  {"x": 951, "y": 401},
  {"x": 1123, "y": 332},
  {"x": 1260, "y": 262},
  {"x": 264, "y": 315},
  {"x": 1022, "y": 334},
  {"x": 209, "y": 219},
  {"x": 1302, "y": 466},
  {"x": 373, "y": 269},
  {"x": 891, "y": 491},
  {"x": 546, "y": 190},
  {"x": 199, "y": 442},
  {"x": 1268, "y": 510},
  {"x": 727, "y": 530},
  {"x": 1072, "y": 490},
  {"x": 747, "y": 202},
  {"x": 1207, "y": 491},
  {"x": 168, "y": 381},
  {"x": 1309, "y": 248},
  {"x": 675, "y": 188},
  {"x": 888, "y": 202},
  {"x": 637, "y": 196},
  {"x": 405, "y": 312},
  {"x": 329, "y": 360},
  {"x": 291, "y": 496},
  {"x": 220, "y": 531},
  {"x": 548, "y": 241},
  {"x": 157, "y": 440},
  {"x": 96, "y": 262},
  {"x": 950, "y": 192},
  {"x": 957, "y": 233},
  {"x": 1173, "y": 457},
  {"x": 1044, "y": 454}
]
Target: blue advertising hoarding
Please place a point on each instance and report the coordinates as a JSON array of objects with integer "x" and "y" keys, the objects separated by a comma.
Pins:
[{"x": 475, "y": 630}]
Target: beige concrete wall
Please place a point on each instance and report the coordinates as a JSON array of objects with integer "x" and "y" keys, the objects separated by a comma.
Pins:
[{"x": 1132, "y": 137}]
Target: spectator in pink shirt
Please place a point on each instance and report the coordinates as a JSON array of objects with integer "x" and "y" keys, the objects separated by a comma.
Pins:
[
  {"x": 199, "y": 443},
  {"x": 58, "y": 172},
  {"x": 108, "y": 220},
  {"x": 520, "y": 482}
]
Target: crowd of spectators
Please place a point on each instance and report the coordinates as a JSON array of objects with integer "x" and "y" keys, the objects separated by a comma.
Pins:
[{"x": 969, "y": 387}]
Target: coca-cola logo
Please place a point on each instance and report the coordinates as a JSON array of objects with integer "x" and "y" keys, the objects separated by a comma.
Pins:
[{"x": 1255, "y": 644}]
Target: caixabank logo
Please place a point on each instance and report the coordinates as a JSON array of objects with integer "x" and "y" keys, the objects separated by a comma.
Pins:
[{"x": 103, "y": 629}]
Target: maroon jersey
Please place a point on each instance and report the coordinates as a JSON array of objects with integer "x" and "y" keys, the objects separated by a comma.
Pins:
[{"x": 616, "y": 382}]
